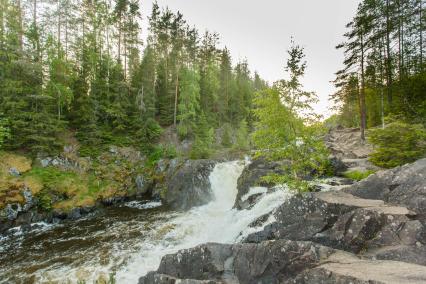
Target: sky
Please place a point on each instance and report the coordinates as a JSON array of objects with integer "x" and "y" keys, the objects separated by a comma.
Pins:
[{"x": 261, "y": 31}]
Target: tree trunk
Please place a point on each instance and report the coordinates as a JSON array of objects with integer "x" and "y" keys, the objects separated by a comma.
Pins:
[
  {"x": 2, "y": 9},
  {"x": 119, "y": 40},
  {"x": 362, "y": 106},
  {"x": 388, "y": 55},
  {"x": 176, "y": 100},
  {"x": 21, "y": 28},
  {"x": 421, "y": 35},
  {"x": 59, "y": 28},
  {"x": 38, "y": 51}
]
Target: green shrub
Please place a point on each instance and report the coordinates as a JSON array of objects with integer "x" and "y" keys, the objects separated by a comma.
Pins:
[
  {"x": 399, "y": 143},
  {"x": 45, "y": 201},
  {"x": 358, "y": 175}
]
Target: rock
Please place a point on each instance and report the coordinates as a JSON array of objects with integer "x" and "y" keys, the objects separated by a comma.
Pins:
[
  {"x": 268, "y": 262},
  {"x": 343, "y": 221},
  {"x": 142, "y": 185},
  {"x": 337, "y": 165},
  {"x": 280, "y": 261},
  {"x": 251, "y": 176},
  {"x": 154, "y": 278},
  {"x": 45, "y": 162},
  {"x": 348, "y": 152},
  {"x": 342, "y": 267},
  {"x": 404, "y": 185},
  {"x": 14, "y": 172},
  {"x": 188, "y": 183},
  {"x": 29, "y": 199},
  {"x": 345, "y": 143},
  {"x": 11, "y": 211}
]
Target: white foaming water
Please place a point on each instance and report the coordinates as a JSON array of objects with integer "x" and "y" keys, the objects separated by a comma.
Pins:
[
  {"x": 214, "y": 222},
  {"x": 143, "y": 205}
]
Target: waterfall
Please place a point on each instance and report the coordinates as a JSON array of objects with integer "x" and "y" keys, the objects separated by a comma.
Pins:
[{"x": 213, "y": 222}]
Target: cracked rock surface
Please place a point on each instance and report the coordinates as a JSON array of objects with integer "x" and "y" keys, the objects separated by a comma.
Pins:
[{"x": 371, "y": 232}]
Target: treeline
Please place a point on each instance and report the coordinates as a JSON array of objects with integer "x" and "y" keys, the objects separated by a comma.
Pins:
[
  {"x": 78, "y": 66},
  {"x": 384, "y": 74}
]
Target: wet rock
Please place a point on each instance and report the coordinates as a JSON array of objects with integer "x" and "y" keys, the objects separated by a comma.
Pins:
[
  {"x": 188, "y": 184},
  {"x": 251, "y": 177},
  {"x": 11, "y": 211},
  {"x": 143, "y": 185}
]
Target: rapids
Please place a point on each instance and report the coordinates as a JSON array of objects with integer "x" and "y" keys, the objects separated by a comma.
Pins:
[{"x": 130, "y": 240}]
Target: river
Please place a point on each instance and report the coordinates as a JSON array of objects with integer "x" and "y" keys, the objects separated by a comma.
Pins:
[{"x": 128, "y": 241}]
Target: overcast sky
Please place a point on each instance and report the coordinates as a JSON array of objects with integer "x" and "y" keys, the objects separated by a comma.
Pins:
[{"x": 261, "y": 31}]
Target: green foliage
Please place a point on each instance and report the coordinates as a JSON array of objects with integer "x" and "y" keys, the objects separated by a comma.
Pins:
[
  {"x": 298, "y": 185},
  {"x": 358, "y": 175},
  {"x": 227, "y": 135},
  {"x": 383, "y": 65},
  {"x": 399, "y": 143},
  {"x": 202, "y": 147},
  {"x": 285, "y": 129},
  {"x": 158, "y": 153},
  {"x": 45, "y": 201},
  {"x": 149, "y": 134},
  {"x": 188, "y": 101},
  {"x": 4, "y": 131},
  {"x": 242, "y": 136},
  {"x": 77, "y": 83}
]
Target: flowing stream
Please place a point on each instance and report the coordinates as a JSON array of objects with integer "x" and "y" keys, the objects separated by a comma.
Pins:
[{"x": 129, "y": 240}]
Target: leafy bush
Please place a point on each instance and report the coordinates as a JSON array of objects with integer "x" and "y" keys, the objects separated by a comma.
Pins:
[
  {"x": 358, "y": 175},
  {"x": 399, "y": 143}
]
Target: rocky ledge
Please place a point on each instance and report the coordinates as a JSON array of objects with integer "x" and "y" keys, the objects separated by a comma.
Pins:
[
  {"x": 180, "y": 184},
  {"x": 371, "y": 232}
]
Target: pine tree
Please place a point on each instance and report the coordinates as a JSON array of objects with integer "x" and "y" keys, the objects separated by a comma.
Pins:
[{"x": 188, "y": 102}]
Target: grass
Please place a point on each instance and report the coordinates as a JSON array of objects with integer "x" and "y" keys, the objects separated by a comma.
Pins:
[{"x": 358, "y": 175}]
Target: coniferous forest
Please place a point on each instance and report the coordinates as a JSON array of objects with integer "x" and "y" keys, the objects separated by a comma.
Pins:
[
  {"x": 384, "y": 77},
  {"x": 81, "y": 67}
]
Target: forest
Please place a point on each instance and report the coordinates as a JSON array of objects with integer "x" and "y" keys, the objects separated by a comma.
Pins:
[
  {"x": 80, "y": 67},
  {"x": 384, "y": 70}
]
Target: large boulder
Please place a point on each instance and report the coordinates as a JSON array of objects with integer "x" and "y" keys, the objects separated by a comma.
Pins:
[
  {"x": 343, "y": 221},
  {"x": 404, "y": 185},
  {"x": 251, "y": 177},
  {"x": 280, "y": 261},
  {"x": 268, "y": 262},
  {"x": 187, "y": 183}
]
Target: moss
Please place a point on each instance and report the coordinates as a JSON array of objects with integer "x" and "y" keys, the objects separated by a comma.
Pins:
[
  {"x": 358, "y": 175},
  {"x": 11, "y": 160},
  {"x": 108, "y": 176}
]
